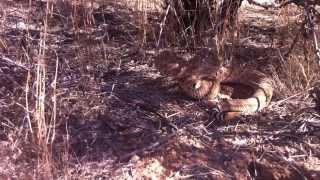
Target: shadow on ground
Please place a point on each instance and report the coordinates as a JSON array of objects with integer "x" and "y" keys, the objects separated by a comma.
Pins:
[{"x": 118, "y": 118}]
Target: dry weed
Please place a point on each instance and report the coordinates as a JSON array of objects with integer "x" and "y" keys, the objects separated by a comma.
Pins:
[
  {"x": 299, "y": 64},
  {"x": 78, "y": 93}
]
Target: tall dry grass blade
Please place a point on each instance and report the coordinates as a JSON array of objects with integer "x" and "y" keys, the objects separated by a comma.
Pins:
[
  {"x": 54, "y": 101},
  {"x": 162, "y": 24},
  {"x": 44, "y": 131},
  {"x": 27, "y": 101}
]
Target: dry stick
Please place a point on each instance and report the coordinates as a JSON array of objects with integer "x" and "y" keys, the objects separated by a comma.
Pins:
[
  {"x": 45, "y": 129},
  {"x": 3, "y": 45},
  {"x": 117, "y": 74},
  {"x": 27, "y": 101},
  {"x": 281, "y": 57},
  {"x": 183, "y": 25},
  {"x": 27, "y": 88},
  {"x": 162, "y": 24},
  {"x": 304, "y": 74},
  {"x": 290, "y": 97},
  {"x": 9, "y": 124},
  {"x": 42, "y": 82},
  {"x": 316, "y": 13},
  {"x": 14, "y": 63},
  {"x": 54, "y": 100}
]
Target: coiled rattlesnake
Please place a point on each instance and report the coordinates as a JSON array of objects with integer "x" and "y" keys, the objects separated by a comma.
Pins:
[{"x": 199, "y": 79}]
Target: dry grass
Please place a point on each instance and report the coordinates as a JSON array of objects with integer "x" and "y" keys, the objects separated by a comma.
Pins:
[
  {"x": 300, "y": 64},
  {"x": 79, "y": 97},
  {"x": 144, "y": 5}
]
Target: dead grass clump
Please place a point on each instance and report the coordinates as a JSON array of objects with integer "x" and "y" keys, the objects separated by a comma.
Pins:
[
  {"x": 300, "y": 66},
  {"x": 36, "y": 76},
  {"x": 185, "y": 22},
  {"x": 193, "y": 24},
  {"x": 78, "y": 13}
]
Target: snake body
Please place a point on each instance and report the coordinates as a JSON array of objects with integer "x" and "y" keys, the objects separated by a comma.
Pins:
[{"x": 252, "y": 89}]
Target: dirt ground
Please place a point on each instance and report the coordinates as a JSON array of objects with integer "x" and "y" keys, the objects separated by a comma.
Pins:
[{"x": 118, "y": 118}]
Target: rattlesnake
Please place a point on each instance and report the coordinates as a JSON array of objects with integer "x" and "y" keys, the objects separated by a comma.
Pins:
[
  {"x": 253, "y": 91},
  {"x": 201, "y": 79}
]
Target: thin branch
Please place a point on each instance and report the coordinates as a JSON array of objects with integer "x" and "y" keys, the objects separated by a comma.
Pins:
[
  {"x": 14, "y": 63},
  {"x": 162, "y": 24}
]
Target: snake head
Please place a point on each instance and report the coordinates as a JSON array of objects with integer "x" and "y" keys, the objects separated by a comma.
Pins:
[
  {"x": 196, "y": 85},
  {"x": 200, "y": 87}
]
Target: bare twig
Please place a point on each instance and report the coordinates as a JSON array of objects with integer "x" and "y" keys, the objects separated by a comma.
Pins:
[
  {"x": 162, "y": 24},
  {"x": 15, "y": 63},
  {"x": 290, "y": 97},
  {"x": 27, "y": 102},
  {"x": 54, "y": 100}
]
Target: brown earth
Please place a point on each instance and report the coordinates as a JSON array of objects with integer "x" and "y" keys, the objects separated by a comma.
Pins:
[{"x": 119, "y": 119}]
